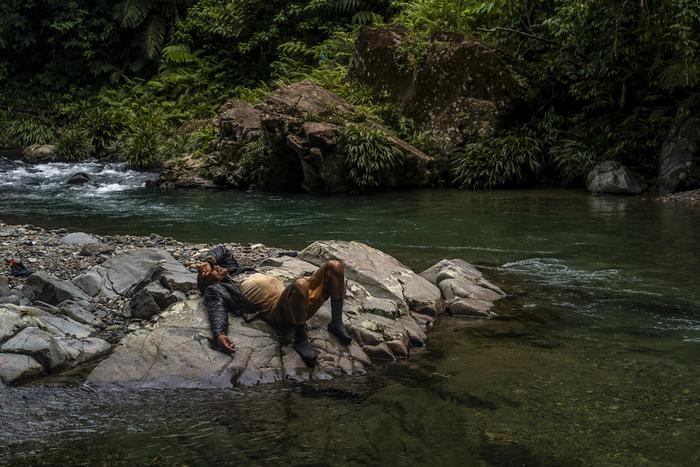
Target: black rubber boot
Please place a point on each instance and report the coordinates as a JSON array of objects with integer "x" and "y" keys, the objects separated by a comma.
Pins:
[
  {"x": 303, "y": 346},
  {"x": 336, "y": 326}
]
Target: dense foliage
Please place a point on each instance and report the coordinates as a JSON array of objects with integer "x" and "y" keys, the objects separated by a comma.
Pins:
[{"x": 119, "y": 79}]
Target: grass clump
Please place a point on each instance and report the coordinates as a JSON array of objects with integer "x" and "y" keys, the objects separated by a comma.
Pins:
[
  {"x": 74, "y": 145},
  {"x": 370, "y": 156},
  {"x": 496, "y": 162}
]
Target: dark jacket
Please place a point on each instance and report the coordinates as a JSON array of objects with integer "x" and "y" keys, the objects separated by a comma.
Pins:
[{"x": 224, "y": 297}]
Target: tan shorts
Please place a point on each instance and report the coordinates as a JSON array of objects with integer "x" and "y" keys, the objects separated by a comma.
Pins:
[{"x": 275, "y": 301}]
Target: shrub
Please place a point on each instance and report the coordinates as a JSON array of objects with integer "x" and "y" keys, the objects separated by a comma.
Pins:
[
  {"x": 369, "y": 155},
  {"x": 198, "y": 141},
  {"x": 74, "y": 145},
  {"x": 572, "y": 160},
  {"x": 104, "y": 125},
  {"x": 496, "y": 162},
  {"x": 140, "y": 145},
  {"x": 253, "y": 162},
  {"x": 25, "y": 131}
]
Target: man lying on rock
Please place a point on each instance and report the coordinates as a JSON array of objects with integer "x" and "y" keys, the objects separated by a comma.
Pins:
[{"x": 227, "y": 287}]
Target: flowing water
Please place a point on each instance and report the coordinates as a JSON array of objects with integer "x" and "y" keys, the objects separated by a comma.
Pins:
[{"x": 600, "y": 368}]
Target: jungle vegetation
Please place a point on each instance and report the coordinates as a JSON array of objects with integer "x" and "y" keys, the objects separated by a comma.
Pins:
[{"x": 126, "y": 80}]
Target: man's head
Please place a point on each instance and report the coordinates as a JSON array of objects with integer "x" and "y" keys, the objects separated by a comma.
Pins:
[{"x": 209, "y": 275}]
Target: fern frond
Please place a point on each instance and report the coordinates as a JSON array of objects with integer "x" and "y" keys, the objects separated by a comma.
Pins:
[
  {"x": 178, "y": 53},
  {"x": 132, "y": 13},
  {"x": 679, "y": 75},
  {"x": 153, "y": 37}
]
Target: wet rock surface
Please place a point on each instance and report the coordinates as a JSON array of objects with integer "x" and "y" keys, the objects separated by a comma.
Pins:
[
  {"x": 465, "y": 290},
  {"x": 34, "y": 342}
]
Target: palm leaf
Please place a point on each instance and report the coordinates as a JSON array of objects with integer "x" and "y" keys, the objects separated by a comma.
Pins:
[{"x": 153, "y": 37}]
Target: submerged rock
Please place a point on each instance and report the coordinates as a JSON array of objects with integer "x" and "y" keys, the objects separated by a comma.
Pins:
[
  {"x": 79, "y": 178},
  {"x": 613, "y": 178},
  {"x": 465, "y": 289}
]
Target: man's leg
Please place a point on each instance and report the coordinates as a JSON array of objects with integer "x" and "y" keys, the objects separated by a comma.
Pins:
[
  {"x": 295, "y": 301},
  {"x": 335, "y": 288}
]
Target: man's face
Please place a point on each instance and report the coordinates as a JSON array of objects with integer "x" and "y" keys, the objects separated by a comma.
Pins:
[{"x": 212, "y": 275}]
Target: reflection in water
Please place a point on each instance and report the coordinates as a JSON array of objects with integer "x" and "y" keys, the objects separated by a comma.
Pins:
[{"x": 598, "y": 368}]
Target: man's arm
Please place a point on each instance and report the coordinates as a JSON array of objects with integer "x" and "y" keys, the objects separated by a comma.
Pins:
[{"x": 218, "y": 316}]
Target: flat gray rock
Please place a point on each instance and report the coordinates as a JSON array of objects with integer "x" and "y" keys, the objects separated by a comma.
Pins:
[
  {"x": 41, "y": 345},
  {"x": 11, "y": 322},
  {"x": 63, "y": 326},
  {"x": 80, "y": 312},
  {"x": 78, "y": 238},
  {"x": 16, "y": 368},
  {"x": 123, "y": 273},
  {"x": 45, "y": 287},
  {"x": 54, "y": 341}
]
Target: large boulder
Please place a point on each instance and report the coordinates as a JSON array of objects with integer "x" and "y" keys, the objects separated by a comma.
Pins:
[
  {"x": 461, "y": 88},
  {"x": 303, "y": 128},
  {"x": 45, "y": 287},
  {"x": 465, "y": 289},
  {"x": 679, "y": 163},
  {"x": 176, "y": 351},
  {"x": 239, "y": 123},
  {"x": 39, "y": 153},
  {"x": 611, "y": 177},
  {"x": 303, "y": 125},
  {"x": 34, "y": 342},
  {"x": 380, "y": 275},
  {"x": 128, "y": 272}
]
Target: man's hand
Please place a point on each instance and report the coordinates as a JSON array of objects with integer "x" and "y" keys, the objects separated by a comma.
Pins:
[
  {"x": 204, "y": 269},
  {"x": 225, "y": 343}
]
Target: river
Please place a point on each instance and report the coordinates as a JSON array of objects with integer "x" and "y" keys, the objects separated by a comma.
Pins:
[{"x": 604, "y": 370}]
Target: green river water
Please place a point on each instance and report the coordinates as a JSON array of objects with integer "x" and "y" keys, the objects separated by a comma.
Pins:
[{"x": 600, "y": 367}]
